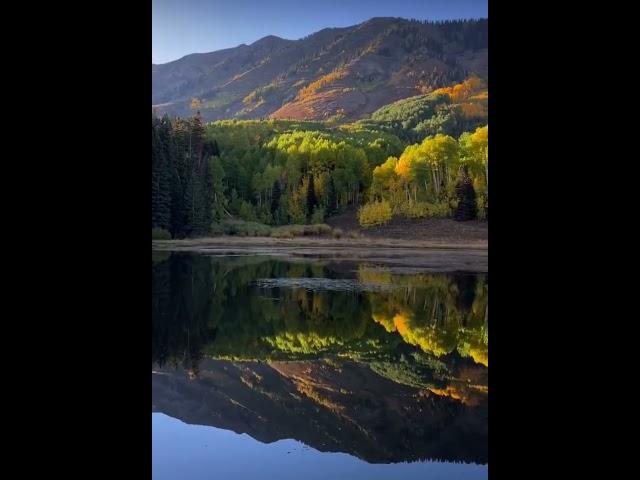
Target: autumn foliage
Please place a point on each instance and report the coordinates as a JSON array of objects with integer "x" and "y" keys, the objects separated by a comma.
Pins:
[
  {"x": 328, "y": 79},
  {"x": 375, "y": 213},
  {"x": 463, "y": 91}
]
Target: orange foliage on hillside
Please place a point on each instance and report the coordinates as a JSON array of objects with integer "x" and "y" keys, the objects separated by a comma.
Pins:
[
  {"x": 473, "y": 110},
  {"x": 327, "y": 79},
  {"x": 462, "y": 91}
]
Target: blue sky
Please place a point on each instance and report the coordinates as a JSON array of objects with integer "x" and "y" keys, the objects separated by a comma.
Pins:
[{"x": 181, "y": 27}]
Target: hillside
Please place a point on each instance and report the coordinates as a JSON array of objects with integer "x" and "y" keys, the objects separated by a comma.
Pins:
[{"x": 336, "y": 73}]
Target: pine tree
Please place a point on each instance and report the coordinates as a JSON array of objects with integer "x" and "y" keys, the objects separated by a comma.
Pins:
[
  {"x": 182, "y": 190},
  {"x": 155, "y": 173},
  {"x": 467, "y": 208},
  {"x": 206, "y": 197},
  {"x": 332, "y": 197},
  {"x": 161, "y": 175},
  {"x": 312, "y": 201},
  {"x": 219, "y": 199},
  {"x": 197, "y": 139},
  {"x": 211, "y": 149},
  {"x": 275, "y": 199},
  {"x": 201, "y": 181}
]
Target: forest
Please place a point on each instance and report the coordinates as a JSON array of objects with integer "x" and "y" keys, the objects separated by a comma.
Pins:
[{"x": 425, "y": 156}]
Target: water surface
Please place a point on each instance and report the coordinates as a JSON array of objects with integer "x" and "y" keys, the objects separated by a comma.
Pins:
[{"x": 266, "y": 368}]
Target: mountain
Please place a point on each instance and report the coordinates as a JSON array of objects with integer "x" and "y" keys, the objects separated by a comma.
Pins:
[{"x": 340, "y": 73}]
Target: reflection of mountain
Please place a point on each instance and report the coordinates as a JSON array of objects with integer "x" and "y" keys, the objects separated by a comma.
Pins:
[
  {"x": 388, "y": 374},
  {"x": 330, "y": 405}
]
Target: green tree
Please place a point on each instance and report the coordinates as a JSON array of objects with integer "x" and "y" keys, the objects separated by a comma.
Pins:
[
  {"x": 312, "y": 201},
  {"x": 275, "y": 199},
  {"x": 219, "y": 201},
  {"x": 332, "y": 198},
  {"x": 161, "y": 174},
  {"x": 467, "y": 208}
]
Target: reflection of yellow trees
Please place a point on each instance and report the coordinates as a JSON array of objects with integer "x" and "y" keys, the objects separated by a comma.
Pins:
[
  {"x": 316, "y": 395},
  {"x": 436, "y": 339},
  {"x": 312, "y": 322},
  {"x": 480, "y": 355},
  {"x": 367, "y": 274},
  {"x": 465, "y": 394},
  {"x": 424, "y": 312},
  {"x": 303, "y": 342},
  {"x": 437, "y": 314},
  {"x": 386, "y": 322}
]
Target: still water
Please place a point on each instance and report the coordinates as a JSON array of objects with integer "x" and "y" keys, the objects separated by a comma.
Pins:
[{"x": 268, "y": 368}]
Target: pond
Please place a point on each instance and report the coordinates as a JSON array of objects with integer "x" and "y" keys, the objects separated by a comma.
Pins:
[{"x": 267, "y": 367}]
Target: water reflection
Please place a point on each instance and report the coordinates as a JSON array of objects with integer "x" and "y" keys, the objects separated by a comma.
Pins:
[{"x": 343, "y": 357}]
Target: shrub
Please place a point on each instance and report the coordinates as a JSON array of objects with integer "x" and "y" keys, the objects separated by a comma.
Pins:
[
  {"x": 216, "y": 229},
  {"x": 318, "y": 215},
  {"x": 483, "y": 207},
  {"x": 246, "y": 212},
  {"x": 426, "y": 210},
  {"x": 374, "y": 213},
  {"x": 317, "y": 229},
  {"x": 337, "y": 232},
  {"x": 160, "y": 234},
  {"x": 417, "y": 210},
  {"x": 290, "y": 231},
  {"x": 245, "y": 229},
  {"x": 440, "y": 210}
]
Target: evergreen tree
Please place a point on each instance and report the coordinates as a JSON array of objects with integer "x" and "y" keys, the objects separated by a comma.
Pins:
[
  {"x": 201, "y": 181},
  {"x": 211, "y": 149},
  {"x": 155, "y": 173},
  {"x": 198, "y": 199},
  {"x": 312, "y": 201},
  {"x": 275, "y": 199},
  {"x": 161, "y": 176},
  {"x": 219, "y": 199},
  {"x": 182, "y": 191},
  {"x": 197, "y": 139},
  {"x": 206, "y": 197},
  {"x": 467, "y": 208}
]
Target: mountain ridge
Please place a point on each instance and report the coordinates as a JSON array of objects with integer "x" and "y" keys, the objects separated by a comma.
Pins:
[{"x": 334, "y": 73}]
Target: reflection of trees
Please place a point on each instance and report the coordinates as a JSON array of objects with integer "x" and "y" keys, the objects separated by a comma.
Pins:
[
  {"x": 413, "y": 384},
  {"x": 181, "y": 303},
  {"x": 205, "y": 306},
  {"x": 438, "y": 314}
]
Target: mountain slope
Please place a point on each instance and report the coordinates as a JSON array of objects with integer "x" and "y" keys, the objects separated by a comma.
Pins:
[{"x": 336, "y": 72}]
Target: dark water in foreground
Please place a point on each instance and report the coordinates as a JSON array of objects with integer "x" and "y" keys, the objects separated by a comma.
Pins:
[{"x": 264, "y": 368}]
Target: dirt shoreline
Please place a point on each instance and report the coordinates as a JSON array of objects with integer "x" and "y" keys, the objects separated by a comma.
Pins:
[{"x": 401, "y": 255}]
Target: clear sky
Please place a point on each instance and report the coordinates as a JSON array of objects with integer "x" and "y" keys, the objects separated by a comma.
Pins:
[{"x": 181, "y": 27}]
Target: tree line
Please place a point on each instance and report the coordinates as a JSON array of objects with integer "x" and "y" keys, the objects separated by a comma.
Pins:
[
  {"x": 182, "y": 176},
  {"x": 278, "y": 172}
]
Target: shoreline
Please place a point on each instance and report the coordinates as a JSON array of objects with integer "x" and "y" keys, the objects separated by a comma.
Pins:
[{"x": 403, "y": 255}]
